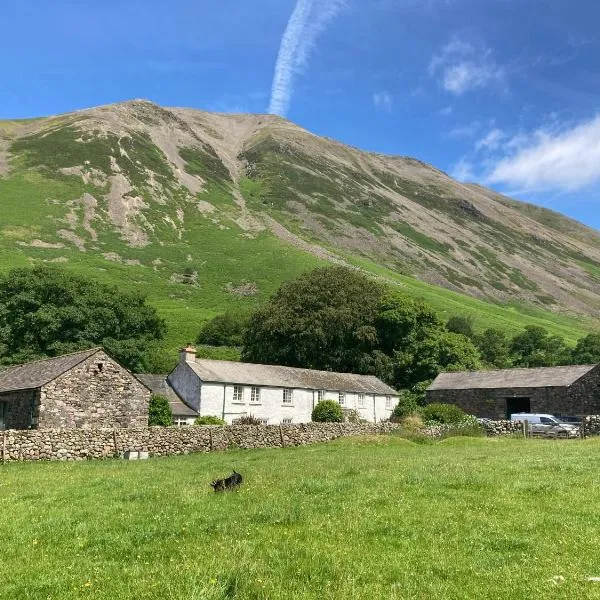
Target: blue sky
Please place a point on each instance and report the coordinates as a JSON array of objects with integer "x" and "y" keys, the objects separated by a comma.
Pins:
[{"x": 502, "y": 92}]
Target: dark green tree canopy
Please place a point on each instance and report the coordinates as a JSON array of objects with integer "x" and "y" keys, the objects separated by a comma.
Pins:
[
  {"x": 323, "y": 320},
  {"x": 535, "y": 347},
  {"x": 159, "y": 412},
  {"x": 587, "y": 350},
  {"x": 493, "y": 345},
  {"x": 224, "y": 330},
  {"x": 47, "y": 311},
  {"x": 461, "y": 324}
]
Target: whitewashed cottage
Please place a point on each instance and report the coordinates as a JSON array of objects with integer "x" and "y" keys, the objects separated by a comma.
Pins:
[{"x": 274, "y": 394}]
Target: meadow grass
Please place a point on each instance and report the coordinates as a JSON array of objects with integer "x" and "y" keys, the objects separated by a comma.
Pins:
[{"x": 374, "y": 517}]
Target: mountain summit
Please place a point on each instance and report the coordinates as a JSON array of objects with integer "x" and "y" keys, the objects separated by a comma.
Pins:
[{"x": 173, "y": 190}]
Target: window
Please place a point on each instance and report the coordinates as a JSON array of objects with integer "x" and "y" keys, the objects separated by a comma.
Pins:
[
  {"x": 264, "y": 421},
  {"x": 361, "y": 401},
  {"x": 388, "y": 402},
  {"x": 320, "y": 395},
  {"x": 287, "y": 396},
  {"x": 255, "y": 395},
  {"x": 238, "y": 394},
  {"x": 180, "y": 422},
  {"x": 287, "y": 421},
  {"x": 342, "y": 398}
]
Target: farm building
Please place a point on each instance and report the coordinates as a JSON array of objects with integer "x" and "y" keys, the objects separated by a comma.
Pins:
[
  {"x": 572, "y": 390},
  {"x": 274, "y": 394},
  {"x": 83, "y": 389}
]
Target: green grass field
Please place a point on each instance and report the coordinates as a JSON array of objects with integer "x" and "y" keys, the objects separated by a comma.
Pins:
[{"x": 357, "y": 518}]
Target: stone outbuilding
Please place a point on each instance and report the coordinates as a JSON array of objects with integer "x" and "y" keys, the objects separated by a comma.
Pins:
[
  {"x": 82, "y": 389},
  {"x": 560, "y": 391},
  {"x": 274, "y": 394}
]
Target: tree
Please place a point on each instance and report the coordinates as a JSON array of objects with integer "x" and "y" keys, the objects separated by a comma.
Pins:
[
  {"x": 327, "y": 411},
  {"x": 493, "y": 345},
  {"x": 224, "y": 330},
  {"x": 159, "y": 412},
  {"x": 587, "y": 350},
  {"x": 461, "y": 324},
  {"x": 535, "y": 347},
  {"x": 46, "y": 312},
  {"x": 323, "y": 320}
]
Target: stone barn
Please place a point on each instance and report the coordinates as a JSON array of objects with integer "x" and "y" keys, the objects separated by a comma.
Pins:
[
  {"x": 83, "y": 389},
  {"x": 560, "y": 391}
]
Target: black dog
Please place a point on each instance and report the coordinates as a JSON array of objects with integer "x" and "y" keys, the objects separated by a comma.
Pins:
[{"x": 229, "y": 483}]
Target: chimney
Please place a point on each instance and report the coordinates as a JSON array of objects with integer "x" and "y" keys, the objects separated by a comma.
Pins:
[{"x": 187, "y": 354}]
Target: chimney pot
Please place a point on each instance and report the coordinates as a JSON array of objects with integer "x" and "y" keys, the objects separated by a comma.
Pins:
[{"x": 188, "y": 354}]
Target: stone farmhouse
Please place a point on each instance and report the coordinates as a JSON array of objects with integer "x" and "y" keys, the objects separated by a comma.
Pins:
[
  {"x": 274, "y": 394},
  {"x": 560, "y": 391},
  {"x": 84, "y": 389}
]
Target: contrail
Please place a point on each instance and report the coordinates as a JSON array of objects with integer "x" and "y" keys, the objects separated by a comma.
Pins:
[{"x": 309, "y": 19}]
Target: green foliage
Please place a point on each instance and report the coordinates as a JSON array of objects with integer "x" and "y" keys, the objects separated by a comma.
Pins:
[
  {"x": 461, "y": 324},
  {"x": 159, "y": 412},
  {"x": 224, "y": 330},
  {"x": 535, "y": 347},
  {"x": 209, "y": 420},
  {"x": 219, "y": 353},
  {"x": 410, "y": 400},
  {"x": 444, "y": 414},
  {"x": 587, "y": 350},
  {"x": 322, "y": 320},
  {"x": 46, "y": 312},
  {"x": 327, "y": 411},
  {"x": 247, "y": 420},
  {"x": 493, "y": 345}
]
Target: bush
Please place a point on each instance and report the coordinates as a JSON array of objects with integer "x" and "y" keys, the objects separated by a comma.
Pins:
[
  {"x": 327, "y": 411},
  {"x": 407, "y": 405},
  {"x": 159, "y": 412},
  {"x": 445, "y": 414},
  {"x": 209, "y": 420},
  {"x": 247, "y": 420}
]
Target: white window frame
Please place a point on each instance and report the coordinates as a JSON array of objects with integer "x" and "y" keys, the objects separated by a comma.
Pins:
[
  {"x": 388, "y": 402},
  {"x": 180, "y": 421},
  {"x": 254, "y": 395},
  {"x": 288, "y": 397},
  {"x": 320, "y": 395},
  {"x": 238, "y": 394},
  {"x": 342, "y": 398},
  {"x": 361, "y": 400},
  {"x": 264, "y": 421},
  {"x": 286, "y": 421}
]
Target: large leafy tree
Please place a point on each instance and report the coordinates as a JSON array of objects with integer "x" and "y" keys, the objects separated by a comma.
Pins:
[
  {"x": 47, "y": 311},
  {"x": 322, "y": 320},
  {"x": 535, "y": 347},
  {"x": 493, "y": 345},
  {"x": 587, "y": 350},
  {"x": 339, "y": 319}
]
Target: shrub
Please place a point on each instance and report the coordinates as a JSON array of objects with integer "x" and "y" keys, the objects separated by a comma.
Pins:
[
  {"x": 407, "y": 405},
  {"x": 349, "y": 415},
  {"x": 247, "y": 420},
  {"x": 159, "y": 411},
  {"x": 449, "y": 414},
  {"x": 412, "y": 422},
  {"x": 209, "y": 420},
  {"x": 327, "y": 411}
]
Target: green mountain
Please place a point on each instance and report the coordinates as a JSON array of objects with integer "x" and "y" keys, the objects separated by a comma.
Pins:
[{"x": 206, "y": 211}]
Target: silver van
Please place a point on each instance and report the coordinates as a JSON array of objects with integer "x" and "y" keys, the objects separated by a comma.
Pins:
[{"x": 546, "y": 425}]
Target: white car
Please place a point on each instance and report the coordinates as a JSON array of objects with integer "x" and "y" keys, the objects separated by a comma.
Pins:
[{"x": 546, "y": 425}]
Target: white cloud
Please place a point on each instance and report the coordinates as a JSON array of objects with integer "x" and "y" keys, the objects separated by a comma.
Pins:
[
  {"x": 464, "y": 131},
  {"x": 309, "y": 19},
  {"x": 383, "y": 101},
  {"x": 446, "y": 111},
  {"x": 463, "y": 170},
  {"x": 567, "y": 160},
  {"x": 491, "y": 141},
  {"x": 460, "y": 67}
]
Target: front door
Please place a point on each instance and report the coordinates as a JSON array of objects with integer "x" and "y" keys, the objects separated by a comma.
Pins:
[
  {"x": 2, "y": 413},
  {"x": 517, "y": 405}
]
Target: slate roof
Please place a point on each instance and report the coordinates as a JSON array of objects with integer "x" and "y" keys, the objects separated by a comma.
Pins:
[
  {"x": 224, "y": 371},
  {"x": 511, "y": 378},
  {"x": 33, "y": 375},
  {"x": 158, "y": 384}
]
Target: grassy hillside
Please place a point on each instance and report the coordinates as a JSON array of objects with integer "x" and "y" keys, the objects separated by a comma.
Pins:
[
  {"x": 375, "y": 518},
  {"x": 207, "y": 212}
]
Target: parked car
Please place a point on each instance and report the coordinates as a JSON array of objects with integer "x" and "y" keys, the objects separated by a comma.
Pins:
[{"x": 546, "y": 425}]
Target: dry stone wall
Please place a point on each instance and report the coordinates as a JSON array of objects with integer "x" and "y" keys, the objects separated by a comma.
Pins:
[{"x": 82, "y": 444}]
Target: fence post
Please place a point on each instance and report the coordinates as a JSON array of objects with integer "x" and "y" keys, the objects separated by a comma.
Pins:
[
  {"x": 582, "y": 429},
  {"x": 210, "y": 439},
  {"x": 3, "y": 446},
  {"x": 525, "y": 427},
  {"x": 281, "y": 436}
]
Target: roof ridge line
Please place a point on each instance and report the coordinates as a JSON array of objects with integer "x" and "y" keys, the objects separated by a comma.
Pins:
[{"x": 39, "y": 360}]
